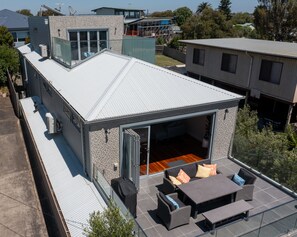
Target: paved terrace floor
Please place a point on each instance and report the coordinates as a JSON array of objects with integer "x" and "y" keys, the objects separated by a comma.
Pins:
[
  {"x": 20, "y": 210},
  {"x": 266, "y": 196}
]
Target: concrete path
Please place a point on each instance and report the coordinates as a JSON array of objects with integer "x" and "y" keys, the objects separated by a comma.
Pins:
[{"x": 20, "y": 210}]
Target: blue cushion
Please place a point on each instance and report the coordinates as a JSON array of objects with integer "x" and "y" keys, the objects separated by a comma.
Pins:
[
  {"x": 237, "y": 179},
  {"x": 175, "y": 204}
]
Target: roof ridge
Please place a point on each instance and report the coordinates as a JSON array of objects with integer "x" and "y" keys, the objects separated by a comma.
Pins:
[{"x": 98, "y": 106}]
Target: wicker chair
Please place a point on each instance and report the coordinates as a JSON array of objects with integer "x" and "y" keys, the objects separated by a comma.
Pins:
[
  {"x": 248, "y": 188},
  {"x": 172, "y": 218}
]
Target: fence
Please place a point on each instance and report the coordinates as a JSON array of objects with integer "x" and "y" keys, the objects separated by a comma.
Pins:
[
  {"x": 174, "y": 53},
  {"x": 14, "y": 96}
]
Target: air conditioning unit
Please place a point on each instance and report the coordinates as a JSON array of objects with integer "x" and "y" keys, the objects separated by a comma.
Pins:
[
  {"x": 51, "y": 123},
  {"x": 43, "y": 50}
]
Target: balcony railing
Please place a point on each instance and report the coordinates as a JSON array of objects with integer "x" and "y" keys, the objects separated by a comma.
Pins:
[
  {"x": 108, "y": 193},
  {"x": 268, "y": 223},
  {"x": 70, "y": 55}
]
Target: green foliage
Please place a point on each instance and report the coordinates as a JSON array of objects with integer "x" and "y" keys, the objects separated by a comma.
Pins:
[
  {"x": 276, "y": 20},
  {"x": 241, "y": 18},
  {"x": 5, "y": 37},
  {"x": 265, "y": 150},
  {"x": 25, "y": 12},
  {"x": 174, "y": 43},
  {"x": 160, "y": 41},
  {"x": 109, "y": 223},
  {"x": 209, "y": 24},
  {"x": 9, "y": 59},
  {"x": 167, "y": 13},
  {"x": 202, "y": 6},
  {"x": 182, "y": 14},
  {"x": 225, "y": 8}
]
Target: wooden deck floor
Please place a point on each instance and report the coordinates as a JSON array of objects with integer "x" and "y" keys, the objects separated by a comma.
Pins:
[{"x": 184, "y": 148}]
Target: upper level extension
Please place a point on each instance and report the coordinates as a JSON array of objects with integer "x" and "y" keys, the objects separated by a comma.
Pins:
[{"x": 257, "y": 66}]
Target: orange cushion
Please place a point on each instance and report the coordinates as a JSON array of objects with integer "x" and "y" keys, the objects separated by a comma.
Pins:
[
  {"x": 183, "y": 177},
  {"x": 213, "y": 168}
]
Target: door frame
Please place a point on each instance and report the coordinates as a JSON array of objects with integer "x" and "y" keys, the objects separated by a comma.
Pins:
[{"x": 167, "y": 119}]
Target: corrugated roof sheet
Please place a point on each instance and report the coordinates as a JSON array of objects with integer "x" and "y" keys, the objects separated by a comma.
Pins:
[
  {"x": 110, "y": 85},
  {"x": 13, "y": 20},
  {"x": 277, "y": 48},
  {"x": 76, "y": 195}
]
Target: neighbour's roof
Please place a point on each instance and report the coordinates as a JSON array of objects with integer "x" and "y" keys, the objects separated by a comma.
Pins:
[
  {"x": 13, "y": 20},
  {"x": 275, "y": 48},
  {"x": 115, "y": 8},
  {"x": 109, "y": 86}
]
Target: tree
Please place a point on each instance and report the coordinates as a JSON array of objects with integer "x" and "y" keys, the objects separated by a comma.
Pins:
[
  {"x": 25, "y": 12},
  {"x": 8, "y": 55},
  {"x": 241, "y": 18},
  {"x": 109, "y": 223},
  {"x": 9, "y": 59},
  {"x": 272, "y": 153},
  {"x": 209, "y": 24},
  {"x": 276, "y": 19},
  {"x": 202, "y": 6},
  {"x": 5, "y": 37},
  {"x": 47, "y": 13},
  {"x": 167, "y": 13},
  {"x": 225, "y": 8},
  {"x": 182, "y": 14}
]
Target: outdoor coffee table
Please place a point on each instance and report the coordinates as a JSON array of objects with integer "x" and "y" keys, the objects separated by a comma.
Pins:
[{"x": 203, "y": 190}]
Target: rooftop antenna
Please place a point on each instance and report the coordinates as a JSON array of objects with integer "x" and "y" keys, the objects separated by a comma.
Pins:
[
  {"x": 59, "y": 6},
  {"x": 71, "y": 11}
]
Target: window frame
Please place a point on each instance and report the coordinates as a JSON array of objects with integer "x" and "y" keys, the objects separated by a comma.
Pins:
[
  {"x": 88, "y": 40},
  {"x": 197, "y": 59},
  {"x": 227, "y": 67},
  {"x": 263, "y": 73}
]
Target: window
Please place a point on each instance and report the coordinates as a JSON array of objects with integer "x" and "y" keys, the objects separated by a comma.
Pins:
[
  {"x": 271, "y": 71},
  {"x": 198, "y": 56},
  {"x": 229, "y": 63},
  {"x": 85, "y": 43}
]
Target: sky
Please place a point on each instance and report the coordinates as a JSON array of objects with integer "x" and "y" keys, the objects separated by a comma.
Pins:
[{"x": 85, "y": 6}]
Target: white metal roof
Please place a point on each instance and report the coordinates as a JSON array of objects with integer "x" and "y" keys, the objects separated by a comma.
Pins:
[
  {"x": 277, "y": 48},
  {"x": 76, "y": 195},
  {"x": 110, "y": 85}
]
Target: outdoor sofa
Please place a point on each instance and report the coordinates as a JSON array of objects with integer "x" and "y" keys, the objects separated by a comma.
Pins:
[{"x": 190, "y": 169}]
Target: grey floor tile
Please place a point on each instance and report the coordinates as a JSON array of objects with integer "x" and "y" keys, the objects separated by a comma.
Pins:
[
  {"x": 162, "y": 230},
  {"x": 144, "y": 222},
  {"x": 152, "y": 232}
]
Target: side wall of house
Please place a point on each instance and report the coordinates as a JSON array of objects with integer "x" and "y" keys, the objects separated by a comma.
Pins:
[
  {"x": 247, "y": 71},
  {"x": 38, "y": 86},
  {"x": 223, "y": 132},
  {"x": 105, "y": 142},
  {"x": 39, "y": 32},
  {"x": 59, "y": 26}
]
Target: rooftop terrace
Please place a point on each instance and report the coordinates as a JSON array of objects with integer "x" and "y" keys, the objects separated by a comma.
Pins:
[{"x": 273, "y": 214}]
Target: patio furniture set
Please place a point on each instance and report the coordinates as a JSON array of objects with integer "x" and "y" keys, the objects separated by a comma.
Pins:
[{"x": 195, "y": 189}]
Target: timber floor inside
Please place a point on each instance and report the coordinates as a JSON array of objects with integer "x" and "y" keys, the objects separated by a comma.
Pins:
[{"x": 184, "y": 148}]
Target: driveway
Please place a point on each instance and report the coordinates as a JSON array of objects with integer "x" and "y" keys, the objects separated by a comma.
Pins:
[{"x": 20, "y": 210}]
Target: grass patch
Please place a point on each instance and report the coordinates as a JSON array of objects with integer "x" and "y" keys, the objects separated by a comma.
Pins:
[{"x": 164, "y": 61}]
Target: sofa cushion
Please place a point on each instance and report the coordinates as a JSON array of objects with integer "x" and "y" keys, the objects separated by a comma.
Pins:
[
  {"x": 190, "y": 169},
  {"x": 203, "y": 172},
  {"x": 213, "y": 168},
  {"x": 183, "y": 177},
  {"x": 174, "y": 180},
  {"x": 166, "y": 200},
  {"x": 238, "y": 180}
]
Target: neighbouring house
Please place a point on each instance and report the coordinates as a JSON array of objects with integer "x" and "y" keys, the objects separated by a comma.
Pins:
[
  {"x": 71, "y": 39},
  {"x": 17, "y": 25},
  {"x": 264, "y": 71}
]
